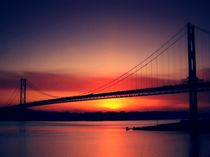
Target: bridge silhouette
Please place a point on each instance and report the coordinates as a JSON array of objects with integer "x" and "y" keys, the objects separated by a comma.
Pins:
[{"x": 180, "y": 65}]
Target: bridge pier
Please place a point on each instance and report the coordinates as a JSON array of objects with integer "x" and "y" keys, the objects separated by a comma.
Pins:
[
  {"x": 22, "y": 91},
  {"x": 192, "y": 78},
  {"x": 22, "y": 98}
]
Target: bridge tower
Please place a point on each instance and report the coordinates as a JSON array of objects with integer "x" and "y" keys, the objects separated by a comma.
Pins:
[
  {"x": 192, "y": 78},
  {"x": 22, "y": 91}
]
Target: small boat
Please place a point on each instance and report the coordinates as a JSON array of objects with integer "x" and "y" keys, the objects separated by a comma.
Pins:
[{"x": 127, "y": 128}]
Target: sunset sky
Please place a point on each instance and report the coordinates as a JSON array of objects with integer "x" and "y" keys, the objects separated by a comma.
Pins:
[{"x": 70, "y": 47}]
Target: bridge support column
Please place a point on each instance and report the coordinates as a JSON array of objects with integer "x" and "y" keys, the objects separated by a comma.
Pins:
[
  {"x": 22, "y": 98},
  {"x": 192, "y": 79},
  {"x": 22, "y": 91}
]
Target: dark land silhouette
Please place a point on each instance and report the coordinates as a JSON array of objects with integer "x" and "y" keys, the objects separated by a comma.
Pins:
[
  {"x": 183, "y": 125},
  {"x": 18, "y": 113}
]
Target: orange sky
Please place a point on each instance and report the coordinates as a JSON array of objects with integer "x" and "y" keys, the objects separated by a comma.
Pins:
[
  {"x": 68, "y": 49},
  {"x": 69, "y": 85}
]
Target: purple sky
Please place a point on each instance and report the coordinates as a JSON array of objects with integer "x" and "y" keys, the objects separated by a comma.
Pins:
[{"x": 87, "y": 40}]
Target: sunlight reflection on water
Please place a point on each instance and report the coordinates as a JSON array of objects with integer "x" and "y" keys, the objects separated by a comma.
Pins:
[{"x": 94, "y": 139}]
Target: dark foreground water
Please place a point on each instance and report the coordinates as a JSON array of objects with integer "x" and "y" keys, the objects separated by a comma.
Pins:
[{"x": 97, "y": 139}]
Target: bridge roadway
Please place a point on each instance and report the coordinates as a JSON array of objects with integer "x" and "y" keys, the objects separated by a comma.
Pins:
[{"x": 172, "y": 89}]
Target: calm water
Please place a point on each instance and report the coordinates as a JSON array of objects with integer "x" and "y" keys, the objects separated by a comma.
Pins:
[{"x": 97, "y": 139}]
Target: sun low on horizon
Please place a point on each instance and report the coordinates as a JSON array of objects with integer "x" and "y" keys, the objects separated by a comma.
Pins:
[
  {"x": 71, "y": 48},
  {"x": 112, "y": 104},
  {"x": 104, "y": 78}
]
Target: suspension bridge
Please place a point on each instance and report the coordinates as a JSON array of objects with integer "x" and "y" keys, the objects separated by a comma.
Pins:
[{"x": 180, "y": 65}]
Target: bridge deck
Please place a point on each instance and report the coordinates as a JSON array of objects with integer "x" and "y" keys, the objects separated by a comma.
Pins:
[{"x": 173, "y": 89}]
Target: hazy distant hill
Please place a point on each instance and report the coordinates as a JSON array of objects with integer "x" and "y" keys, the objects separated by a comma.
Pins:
[{"x": 15, "y": 113}]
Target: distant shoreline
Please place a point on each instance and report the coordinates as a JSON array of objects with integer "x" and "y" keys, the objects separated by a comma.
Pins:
[
  {"x": 183, "y": 125},
  {"x": 15, "y": 114}
]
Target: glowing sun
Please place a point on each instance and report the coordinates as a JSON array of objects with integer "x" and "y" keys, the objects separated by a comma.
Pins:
[{"x": 112, "y": 104}]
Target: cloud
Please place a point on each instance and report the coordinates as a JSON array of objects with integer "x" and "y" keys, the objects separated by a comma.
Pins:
[
  {"x": 64, "y": 82},
  {"x": 52, "y": 81},
  {"x": 8, "y": 80},
  {"x": 61, "y": 83},
  {"x": 78, "y": 82}
]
